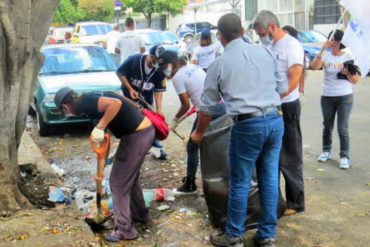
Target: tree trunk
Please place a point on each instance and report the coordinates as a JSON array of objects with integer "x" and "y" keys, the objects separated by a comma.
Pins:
[
  {"x": 149, "y": 20},
  {"x": 23, "y": 28}
]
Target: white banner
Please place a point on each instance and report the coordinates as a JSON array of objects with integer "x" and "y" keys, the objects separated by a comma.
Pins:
[{"x": 357, "y": 35}]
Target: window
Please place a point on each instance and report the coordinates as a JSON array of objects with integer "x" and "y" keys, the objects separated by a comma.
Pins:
[{"x": 327, "y": 11}]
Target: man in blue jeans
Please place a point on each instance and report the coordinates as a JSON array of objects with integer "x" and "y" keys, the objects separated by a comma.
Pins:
[{"x": 250, "y": 81}]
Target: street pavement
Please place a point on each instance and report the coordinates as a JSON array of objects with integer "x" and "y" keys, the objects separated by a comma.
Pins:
[{"x": 337, "y": 201}]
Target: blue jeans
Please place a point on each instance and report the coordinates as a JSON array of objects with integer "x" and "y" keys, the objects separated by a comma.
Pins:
[
  {"x": 340, "y": 106},
  {"x": 254, "y": 143},
  {"x": 192, "y": 150}
]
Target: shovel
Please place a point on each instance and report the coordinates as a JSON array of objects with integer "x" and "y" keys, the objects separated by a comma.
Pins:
[
  {"x": 101, "y": 151},
  {"x": 191, "y": 111}
]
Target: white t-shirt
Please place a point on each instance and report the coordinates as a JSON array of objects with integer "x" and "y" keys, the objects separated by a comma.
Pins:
[
  {"x": 205, "y": 55},
  {"x": 129, "y": 43},
  {"x": 332, "y": 65},
  {"x": 190, "y": 78},
  {"x": 288, "y": 53},
  {"x": 112, "y": 40}
]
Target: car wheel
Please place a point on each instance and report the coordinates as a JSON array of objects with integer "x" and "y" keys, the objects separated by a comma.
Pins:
[
  {"x": 188, "y": 38},
  {"x": 42, "y": 127},
  {"x": 307, "y": 60}
]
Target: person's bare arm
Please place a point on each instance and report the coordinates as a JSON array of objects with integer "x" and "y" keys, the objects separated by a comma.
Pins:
[
  {"x": 203, "y": 122},
  {"x": 195, "y": 62},
  {"x": 294, "y": 74},
  {"x": 317, "y": 63},
  {"x": 133, "y": 93},
  {"x": 352, "y": 78},
  {"x": 158, "y": 101},
  {"x": 185, "y": 104},
  {"x": 110, "y": 107},
  {"x": 301, "y": 81}
]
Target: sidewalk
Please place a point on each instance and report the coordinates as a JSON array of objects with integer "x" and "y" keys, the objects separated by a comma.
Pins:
[{"x": 60, "y": 226}]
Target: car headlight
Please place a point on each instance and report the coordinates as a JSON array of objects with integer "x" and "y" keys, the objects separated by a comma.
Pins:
[{"x": 49, "y": 98}]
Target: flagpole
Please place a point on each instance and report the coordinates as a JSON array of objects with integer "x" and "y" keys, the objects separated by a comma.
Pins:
[{"x": 338, "y": 23}]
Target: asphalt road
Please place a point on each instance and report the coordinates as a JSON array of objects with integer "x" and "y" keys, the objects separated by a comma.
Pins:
[{"x": 337, "y": 201}]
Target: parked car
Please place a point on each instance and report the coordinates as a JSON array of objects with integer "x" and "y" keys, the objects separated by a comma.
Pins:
[
  {"x": 175, "y": 40},
  {"x": 187, "y": 31},
  {"x": 57, "y": 35},
  {"x": 153, "y": 37},
  {"x": 312, "y": 42},
  {"x": 82, "y": 67},
  {"x": 90, "y": 32}
]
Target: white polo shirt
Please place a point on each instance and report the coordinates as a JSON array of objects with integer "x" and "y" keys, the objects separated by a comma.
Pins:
[
  {"x": 289, "y": 52},
  {"x": 129, "y": 43},
  {"x": 190, "y": 79}
]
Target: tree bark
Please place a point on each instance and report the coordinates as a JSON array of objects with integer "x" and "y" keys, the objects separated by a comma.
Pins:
[
  {"x": 23, "y": 28},
  {"x": 149, "y": 20}
]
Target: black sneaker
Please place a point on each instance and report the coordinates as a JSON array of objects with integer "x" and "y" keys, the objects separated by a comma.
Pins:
[
  {"x": 264, "y": 242},
  {"x": 222, "y": 239},
  {"x": 188, "y": 186}
]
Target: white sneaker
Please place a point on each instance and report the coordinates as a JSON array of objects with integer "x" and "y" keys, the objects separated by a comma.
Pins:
[
  {"x": 345, "y": 163},
  {"x": 324, "y": 156}
]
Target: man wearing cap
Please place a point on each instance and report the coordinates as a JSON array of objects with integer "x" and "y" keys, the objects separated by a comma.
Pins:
[
  {"x": 144, "y": 74},
  {"x": 127, "y": 123},
  {"x": 188, "y": 82}
]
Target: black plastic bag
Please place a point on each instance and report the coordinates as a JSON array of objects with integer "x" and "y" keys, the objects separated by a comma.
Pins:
[{"x": 215, "y": 174}]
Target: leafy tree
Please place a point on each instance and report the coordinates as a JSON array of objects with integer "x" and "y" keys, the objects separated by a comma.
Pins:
[
  {"x": 171, "y": 7},
  {"x": 97, "y": 10},
  {"x": 148, "y": 7},
  {"x": 67, "y": 12}
]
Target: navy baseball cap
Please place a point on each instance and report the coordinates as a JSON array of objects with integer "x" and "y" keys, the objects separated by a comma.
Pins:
[
  {"x": 157, "y": 50},
  {"x": 167, "y": 57},
  {"x": 206, "y": 34}
]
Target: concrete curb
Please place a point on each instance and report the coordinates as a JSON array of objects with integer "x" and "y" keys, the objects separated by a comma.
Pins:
[{"x": 29, "y": 153}]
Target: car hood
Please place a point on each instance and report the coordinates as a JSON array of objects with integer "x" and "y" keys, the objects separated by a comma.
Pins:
[
  {"x": 81, "y": 82},
  {"x": 91, "y": 39}
]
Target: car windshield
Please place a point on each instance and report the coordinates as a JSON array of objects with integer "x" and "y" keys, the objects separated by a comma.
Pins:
[
  {"x": 94, "y": 29},
  {"x": 154, "y": 38},
  {"x": 65, "y": 60},
  {"x": 311, "y": 37},
  {"x": 171, "y": 36}
]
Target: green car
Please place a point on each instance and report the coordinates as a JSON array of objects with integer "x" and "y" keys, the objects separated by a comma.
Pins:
[{"x": 82, "y": 67}]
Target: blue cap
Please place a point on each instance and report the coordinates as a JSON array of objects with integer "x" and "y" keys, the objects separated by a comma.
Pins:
[
  {"x": 157, "y": 50},
  {"x": 206, "y": 34}
]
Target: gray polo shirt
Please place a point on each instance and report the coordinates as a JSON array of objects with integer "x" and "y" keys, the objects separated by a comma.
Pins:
[{"x": 247, "y": 77}]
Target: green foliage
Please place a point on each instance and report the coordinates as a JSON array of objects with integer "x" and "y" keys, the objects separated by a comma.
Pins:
[
  {"x": 67, "y": 13},
  {"x": 148, "y": 7},
  {"x": 172, "y": 7},
  {"x": 97, "y": 10}
]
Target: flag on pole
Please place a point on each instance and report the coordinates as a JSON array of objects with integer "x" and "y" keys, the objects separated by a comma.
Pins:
[{"x": 357, "y": 34}]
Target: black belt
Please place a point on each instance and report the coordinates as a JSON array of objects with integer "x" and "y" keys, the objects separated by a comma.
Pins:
[{"x": 259, "y": 113}]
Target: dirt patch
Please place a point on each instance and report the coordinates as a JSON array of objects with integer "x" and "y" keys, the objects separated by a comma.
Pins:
[{"x": 35, "y": 188}]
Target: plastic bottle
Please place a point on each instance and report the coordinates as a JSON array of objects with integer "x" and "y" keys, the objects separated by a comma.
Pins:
[
  {"x": 160, "y": 194},
  {"x": 79, "y": 200},
  {"x": 59, "y": 171}
]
